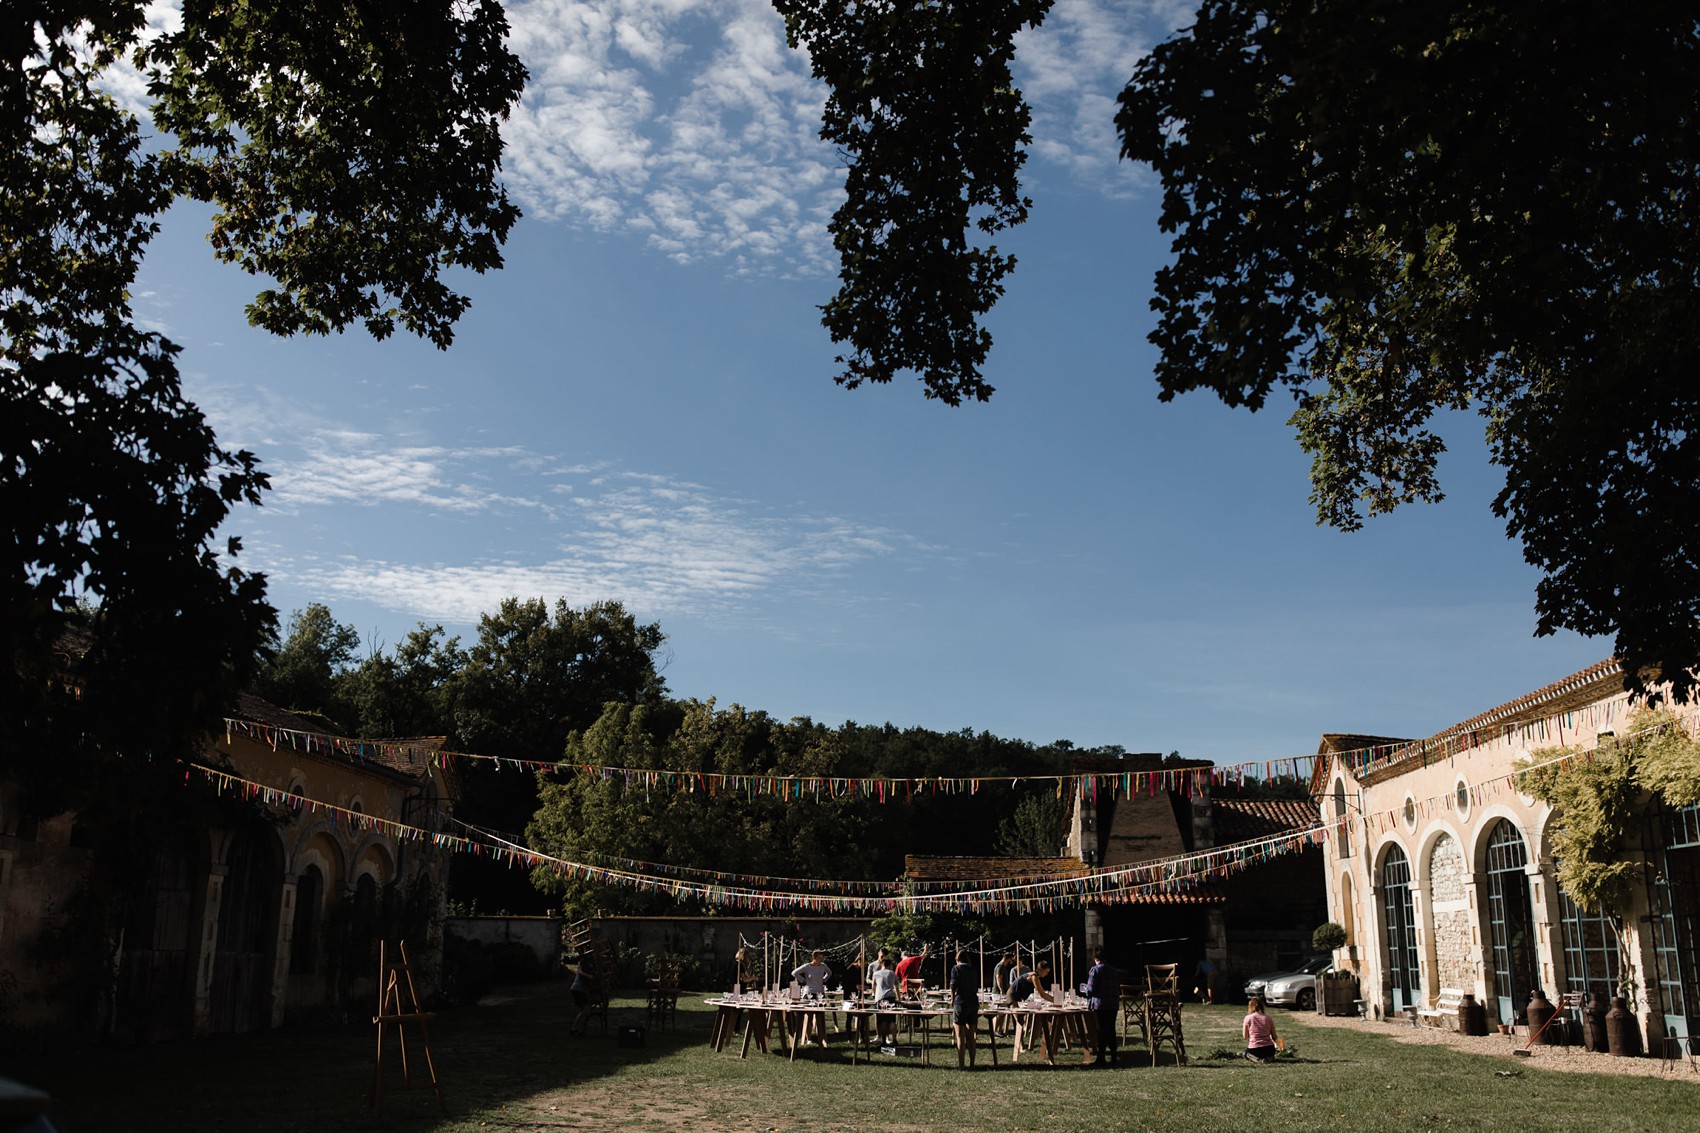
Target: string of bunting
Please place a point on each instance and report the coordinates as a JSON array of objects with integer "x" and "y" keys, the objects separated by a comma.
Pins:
[
  {"x": 668, "y": 869},
  {"x": 1188, "y": 781},
  {"x": 1154, "y": 877},
  {"x": 1122, "y": 884},
  {"x": 1487, "y": 790},
  {"x": 1541, "y": 730},
  {"x": 811, "y": 884},
  {"x": 1185, "y": 780}
]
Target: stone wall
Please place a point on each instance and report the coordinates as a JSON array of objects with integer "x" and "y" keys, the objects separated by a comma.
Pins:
[{"x": 1450, "y": 910}]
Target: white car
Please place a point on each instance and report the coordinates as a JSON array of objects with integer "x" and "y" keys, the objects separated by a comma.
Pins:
[{"x": 1293, "y": 988}]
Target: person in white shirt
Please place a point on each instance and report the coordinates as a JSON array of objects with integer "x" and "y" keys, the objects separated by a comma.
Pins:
[
  {"x": 813, "y": 976},
  {"x": 884, "y": 979}
]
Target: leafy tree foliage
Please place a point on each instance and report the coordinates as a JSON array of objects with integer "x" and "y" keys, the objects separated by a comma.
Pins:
[
  {"x": 532, "y": 678},
  {"x": 1389, "y": 210},
  {"x": 1035, "y": 829},
  {"x": 121, "y": 624},
  {"x": 350, "y": 151},
  {"x": 1395, "y": 209},
  {"x": 923, "y": 105},
  {"x": 411, "y": 693},
  {"x": 1600, "y": 798},
  {"x": 302, "y": 673},
  {"x": 588, "y": 819}
]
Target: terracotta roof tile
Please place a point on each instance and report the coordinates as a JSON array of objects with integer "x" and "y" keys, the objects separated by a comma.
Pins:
[
  {"x": 1242, "y": 820},
  {"x": 1597, "y": 681},
  {"x": 1579, "y": 688}
]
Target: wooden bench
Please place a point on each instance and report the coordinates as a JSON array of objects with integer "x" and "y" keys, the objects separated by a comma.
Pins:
[{"x": 1444, "y": 1013}]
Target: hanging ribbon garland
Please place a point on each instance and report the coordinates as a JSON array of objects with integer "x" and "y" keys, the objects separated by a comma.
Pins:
[
  {"x": 1122, "y": 884},
  {"x": 1187, "y": 781}
]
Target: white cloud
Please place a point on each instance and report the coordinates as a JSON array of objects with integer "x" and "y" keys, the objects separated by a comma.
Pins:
[
  {"x": 1072, "y": 67},
  {"x": 532, "y": 524},
  {"x": 691, "y": 124},
  {"x": 659, "y": 545}
]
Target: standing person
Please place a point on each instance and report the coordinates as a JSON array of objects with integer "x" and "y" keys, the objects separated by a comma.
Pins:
[
  {"x": 742, "y": 978},
  {"x": 964, "y": 987},
  {"x": 909, "y": 971},
  {"x": 1103, "y": 991},
  {"x": 813, "y": 977},
  {"x": 1259, "y": 1031},
  {"x": 1204, "y": 980},
  {"x": 884, "y": 978},
  {"x": 853, "y": 977},
  {"x": 1002, "y": 977},
  {"x": 581, "y": 990},
  {"x": 1004, "y": 974}
]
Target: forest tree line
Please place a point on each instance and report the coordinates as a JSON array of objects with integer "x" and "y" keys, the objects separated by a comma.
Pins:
[{"x": 584, "y": 686}]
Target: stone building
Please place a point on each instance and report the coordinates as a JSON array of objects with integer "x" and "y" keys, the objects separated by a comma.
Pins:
[
  {"x": 246, "y": 925},
  {"x": 1440, "y": 871},
  {"x": 1250, "y": 921}
]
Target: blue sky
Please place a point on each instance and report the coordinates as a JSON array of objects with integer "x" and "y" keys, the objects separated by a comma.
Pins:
[{"x": 640, "y": 407}]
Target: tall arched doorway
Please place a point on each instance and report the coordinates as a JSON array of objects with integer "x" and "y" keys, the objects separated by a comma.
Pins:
[
  {"x": 247, "y": 932},
  {"x": 1511, "y": 921},
  {"x": 1400, "y": 918},
  {"x": 157, "y": 961}
]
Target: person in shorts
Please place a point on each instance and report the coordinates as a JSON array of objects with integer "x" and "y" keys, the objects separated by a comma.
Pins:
[
  {"x": 580, "y": 991},
  {"x": 964, "y": 1006}
]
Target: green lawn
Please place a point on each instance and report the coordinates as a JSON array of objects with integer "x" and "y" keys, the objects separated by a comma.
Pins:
[{"x": 508, "y": 1064}]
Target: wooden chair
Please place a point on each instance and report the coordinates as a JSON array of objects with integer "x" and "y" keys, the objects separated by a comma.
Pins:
[
  {"x": 663, "y": 1005},
  {"x": 1133, "y": 1012},
  {"x": 1163, "y": 978},
  {"x": 1163, "y": 1010}
]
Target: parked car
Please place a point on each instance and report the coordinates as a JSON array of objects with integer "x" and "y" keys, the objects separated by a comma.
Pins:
[{"x": 1295, "y": 987}]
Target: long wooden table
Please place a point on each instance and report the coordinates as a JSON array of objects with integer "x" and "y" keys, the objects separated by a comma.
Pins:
[{"x": 1036, "y": 1027}]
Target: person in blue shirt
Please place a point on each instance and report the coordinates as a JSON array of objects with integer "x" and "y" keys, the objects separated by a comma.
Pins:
[{"x": 1103, "y": 991}]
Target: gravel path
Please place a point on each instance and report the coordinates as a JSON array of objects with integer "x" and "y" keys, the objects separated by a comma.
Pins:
[{"x": 1573, "y": 1059}]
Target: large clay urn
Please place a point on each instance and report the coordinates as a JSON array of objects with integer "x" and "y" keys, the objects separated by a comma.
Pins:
[
  {"x": 1472, "y": 1016},
  {"x": 1623, "y": 1030},
  {"x": 1539, "y": 1012},
  {"x": 1594, "y": 1024}
]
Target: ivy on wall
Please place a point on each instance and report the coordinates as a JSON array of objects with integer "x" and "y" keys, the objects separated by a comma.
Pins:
[{"x": 1599, "y": 795}]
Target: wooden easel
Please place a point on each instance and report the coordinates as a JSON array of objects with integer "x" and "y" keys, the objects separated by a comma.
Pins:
[{"x": 402, "y": 1012}]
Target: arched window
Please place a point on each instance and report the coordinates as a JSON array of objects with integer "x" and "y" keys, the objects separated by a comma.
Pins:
[
  {"x": 1511, "y": 920},
  {"x": 1348, "y": 908},
  {"x": 1342, "y": 824},
  {"x": 1401, "y": 922},
  {"x": 309, "y": 909}
]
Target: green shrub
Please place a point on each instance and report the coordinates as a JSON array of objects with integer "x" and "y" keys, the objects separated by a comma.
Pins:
[{"x": 1328, "y": 937}]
